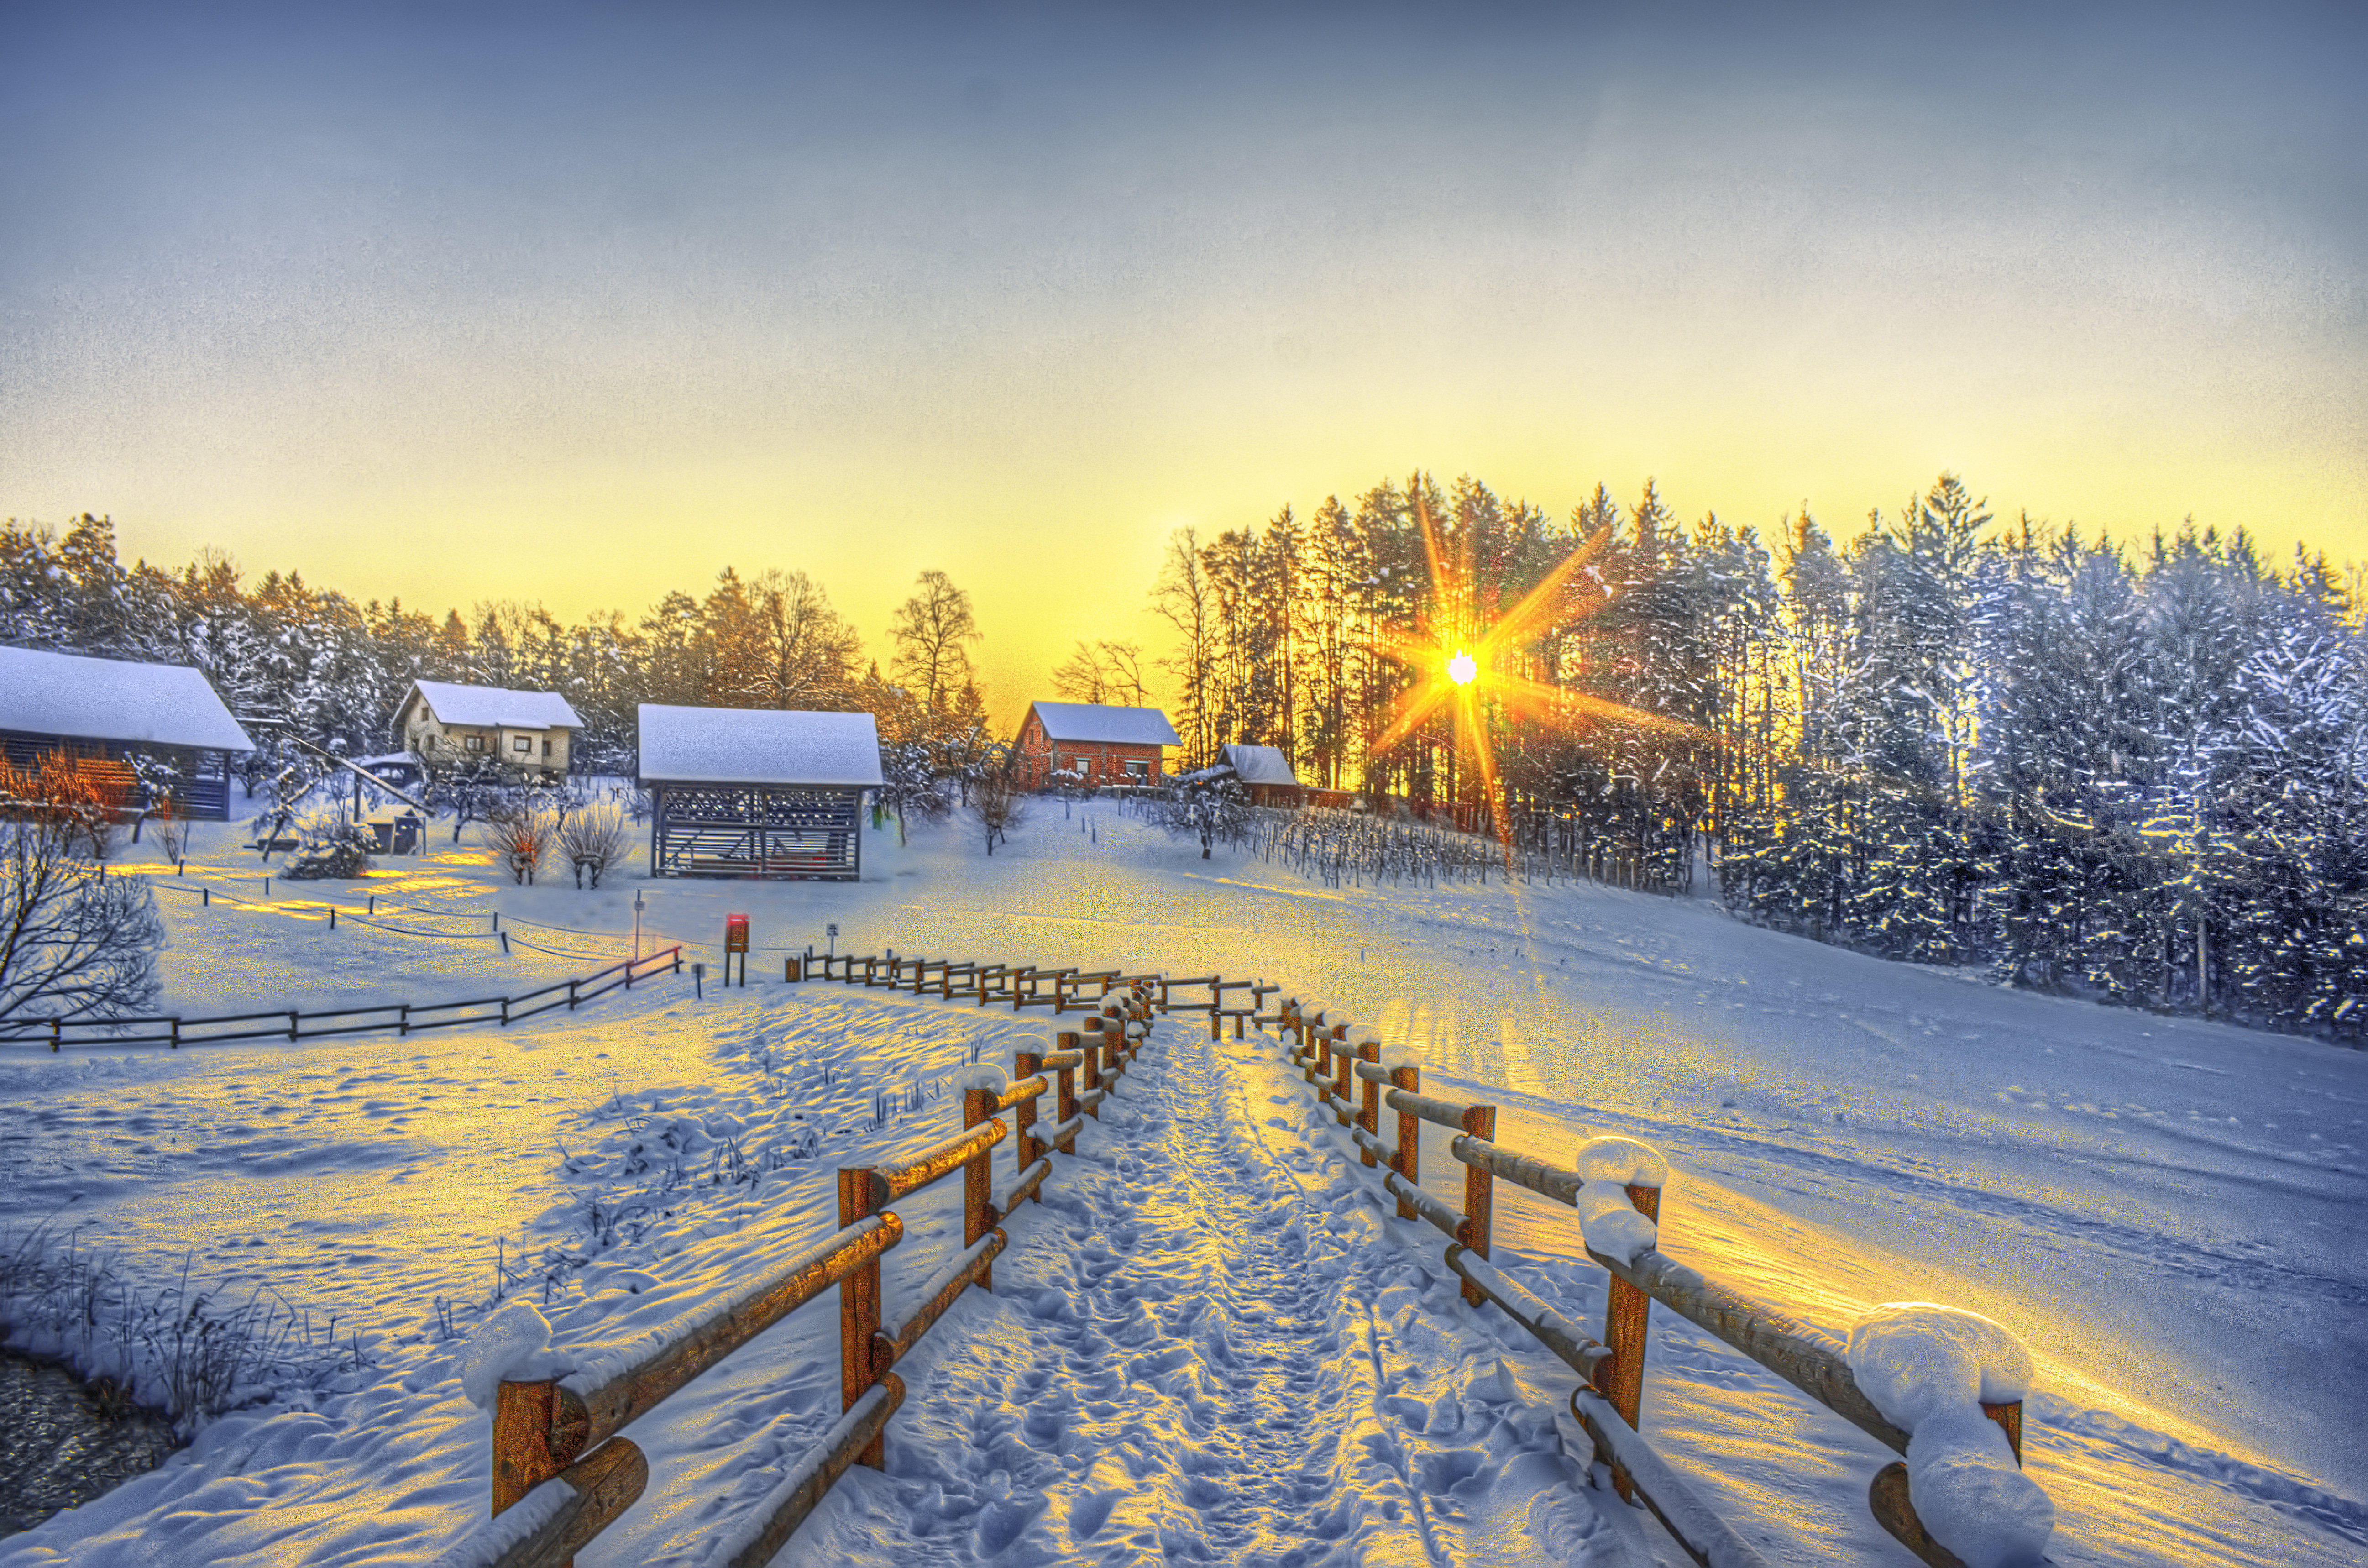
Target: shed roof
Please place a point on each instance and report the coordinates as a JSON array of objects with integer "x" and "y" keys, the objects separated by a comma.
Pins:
[
  {"x": 1101, "y": 721},
  {"x": 758, "y": 745},
  {"x": 113, "y": 699},
  {"x": 494, "y": 707},
  {"x": 1259, "y": 764}
]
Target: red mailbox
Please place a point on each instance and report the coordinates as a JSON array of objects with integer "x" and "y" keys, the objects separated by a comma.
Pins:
[{"x": 736, "y": 940}]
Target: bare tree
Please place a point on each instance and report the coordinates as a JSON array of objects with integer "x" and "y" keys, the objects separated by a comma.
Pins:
[
  {"x": 73, "y": 941},
  {"x": 1102, "y": 671},
  {"x": 997, "y": 799},
  {"x": 520, "y": 831},
  {"x": 1187, "y": 600},
  {"x": 592, "y": 838},
  {"x": 933, "y": 631}
]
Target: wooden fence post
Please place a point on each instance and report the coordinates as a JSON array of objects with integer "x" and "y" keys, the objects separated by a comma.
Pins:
[
  {"x": 978, "y": 1179},
  {"x": 1090, "y": 1048},
  {"x": 1479, "y": 1192},
  {"x": 859, "y": 1309},
  {"x": 1370, "y": 1119},
  {"x": 1024, "y": 1067},
  {"x": 522, "y": 1455},
  {"x": 1620, "y": 1376},
  {"x": 1409, "y": 1135}
]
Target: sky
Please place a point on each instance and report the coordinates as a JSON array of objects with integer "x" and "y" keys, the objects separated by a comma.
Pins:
[{"x": 580, "y": 302}]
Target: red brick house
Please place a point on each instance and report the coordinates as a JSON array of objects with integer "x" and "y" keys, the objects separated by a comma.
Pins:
[{"x": 1105, "y": 744}]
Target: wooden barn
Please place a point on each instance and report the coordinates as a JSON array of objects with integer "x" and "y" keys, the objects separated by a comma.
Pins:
[
  {"x": 1099, "y": 743},
  {"x": 756, "y": 793},
  {"x": 1266, "y": 773},
  {"x": 103, "y": 710}
]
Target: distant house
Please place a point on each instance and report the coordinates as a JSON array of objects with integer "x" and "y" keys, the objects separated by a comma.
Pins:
[
  {"x": 444, "y": 723},
  {"x": 103, "y": 710},
  {"x": 757, "y": 791},
  {"x": 1266, "y": 773},
  {"x": 1102, "y": 745}
]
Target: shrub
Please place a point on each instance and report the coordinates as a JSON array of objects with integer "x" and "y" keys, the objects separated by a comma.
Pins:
[
  {"x": 592, "y": 838},
  {"x": 521, "y": 833}
]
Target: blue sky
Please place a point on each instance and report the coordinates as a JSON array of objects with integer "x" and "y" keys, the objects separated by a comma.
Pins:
[{"x": 577, "y": 302}]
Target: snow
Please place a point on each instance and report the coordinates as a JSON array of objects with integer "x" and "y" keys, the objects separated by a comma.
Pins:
[
  {"x": 493, "y": 706},
  {"x": 512, "y": 1344},
  {"x": 1259, "y": 764},
  {"x": 986, "y": 1077},
  {"x": 1622, "y": 1161},
  {"x": 1105, "y": 722},
  {"x": 754, "y": 746},
  {"x": 1929, "y": 1368},
  {"x": 1400, "y": 1052},
  {"x": 1213, "y": 1337},
  {"x": 1613, "y": 1226},
  {"x": 113, "y": 699}
]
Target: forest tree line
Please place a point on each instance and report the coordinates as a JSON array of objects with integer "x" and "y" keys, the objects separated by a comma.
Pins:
[
  {"x": 2136, "y": 770},
  {"x": 2127, "y": 769},
  {"x": 335, "y": 669}
]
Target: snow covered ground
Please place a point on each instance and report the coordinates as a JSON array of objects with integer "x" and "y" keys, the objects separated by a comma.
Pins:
[{"x": 1211, "y": 1340}]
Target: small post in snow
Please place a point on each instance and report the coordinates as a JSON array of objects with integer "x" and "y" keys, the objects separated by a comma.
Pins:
[{"x": 522, "y": 1455}]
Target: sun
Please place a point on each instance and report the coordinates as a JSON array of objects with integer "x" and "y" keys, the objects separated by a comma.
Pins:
[{"x": 1473, "y": 666}]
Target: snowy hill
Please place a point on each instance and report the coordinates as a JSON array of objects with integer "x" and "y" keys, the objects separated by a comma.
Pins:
[{"x": 1209, "y": 1340}]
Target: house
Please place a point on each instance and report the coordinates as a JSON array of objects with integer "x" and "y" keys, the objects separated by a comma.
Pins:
[
  {"x": 105, "y": 710},
  {"x": 1265, "y": 772},
  {"x": 442, "y": 722},
  {"x": 757, "y": 791},
  {"x": 1101, "y": 743}
]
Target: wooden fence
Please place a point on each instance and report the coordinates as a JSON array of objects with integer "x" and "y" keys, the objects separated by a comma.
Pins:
[
  {"x": 562, "y": 1472},
  {"x": 1352, "y": 1082},
  {"x": 288, "y": 1023}
]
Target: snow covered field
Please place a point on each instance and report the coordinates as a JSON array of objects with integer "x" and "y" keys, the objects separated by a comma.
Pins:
[{"x": 1210, "y": 1341}]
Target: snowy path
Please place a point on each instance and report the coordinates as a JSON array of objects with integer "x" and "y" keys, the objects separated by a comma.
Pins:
[{"x": 1198, "y": 1352}]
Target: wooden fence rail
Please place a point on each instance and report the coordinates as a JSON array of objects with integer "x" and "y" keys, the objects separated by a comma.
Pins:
[
  {"x": 541, "y": 1427},
  {"x": 1612, "y": 1372},
  {"x": 288, "y": 1023}
]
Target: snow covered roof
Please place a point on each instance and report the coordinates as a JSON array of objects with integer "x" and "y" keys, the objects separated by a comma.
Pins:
[
  {"x": 113, "y": 699},
  {"x": 1100, "y": 722},
  {"x": 758, "y": 745},
  {"x": 494, "y": 707},
  {"x": 1259, "y": 764}
]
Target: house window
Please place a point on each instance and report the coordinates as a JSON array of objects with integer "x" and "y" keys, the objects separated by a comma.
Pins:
[
  {"x": 546, "y": 749},
  {"x": 1138, "y": 770},
  {"x": 521, "y": 743},
  {"x": 476, "y": 743}
]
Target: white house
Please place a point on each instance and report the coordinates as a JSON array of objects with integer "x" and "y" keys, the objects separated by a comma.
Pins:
[
  {"x": 445, "y": 722},
  {"x": 757, "y": 791}
]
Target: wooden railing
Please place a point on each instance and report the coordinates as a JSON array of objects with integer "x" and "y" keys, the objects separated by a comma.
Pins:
[
  {"x": 563, "y": 1473},
  {"x": 1352, "y": 1082},
  {"x": 403, "y": 1017}
]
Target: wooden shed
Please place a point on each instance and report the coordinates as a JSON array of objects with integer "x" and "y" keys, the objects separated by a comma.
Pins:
[
  {"x": 103, "y": 710},
  {"x": 1266, "y": 773},
  {"x": 756, "y": 793}
]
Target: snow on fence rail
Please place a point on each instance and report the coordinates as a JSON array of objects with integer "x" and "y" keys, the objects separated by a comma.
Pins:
[
  {"x": 1622, "y": 1233},
  {"x": 288, "y": 1023},
  {"x": 562, "y": 1472}
]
